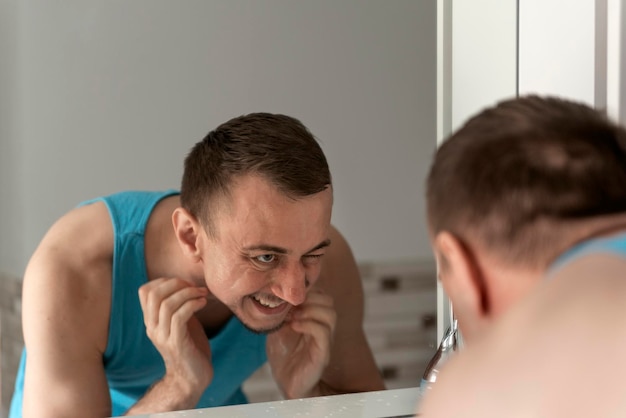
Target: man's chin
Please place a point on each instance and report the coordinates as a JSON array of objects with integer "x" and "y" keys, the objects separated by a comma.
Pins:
[{"x": 267, "y": 329}]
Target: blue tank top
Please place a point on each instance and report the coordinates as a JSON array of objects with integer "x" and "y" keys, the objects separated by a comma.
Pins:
[
  {"x": 615, "y": 244},
  {"x": 131, "y": 362}
]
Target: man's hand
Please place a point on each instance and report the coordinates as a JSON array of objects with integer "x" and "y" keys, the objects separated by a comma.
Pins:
[
  {"x": 168, "y": 306},
  {"x": 299, "y": 352}
]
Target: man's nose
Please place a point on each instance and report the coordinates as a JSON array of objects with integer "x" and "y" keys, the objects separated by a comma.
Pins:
[{"x": 290, "y": 284}]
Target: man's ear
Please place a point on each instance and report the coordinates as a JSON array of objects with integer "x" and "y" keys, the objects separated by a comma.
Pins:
[
  {"x": 462, "y": 280},
  {"x": 188, "y": 232}
]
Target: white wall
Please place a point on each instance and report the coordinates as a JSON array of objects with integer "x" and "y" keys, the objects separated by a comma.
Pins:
[
  {"x": 616, "y": 60},
  {"x": 112, "y": 94},
  {"x": 578, "y": 54},
  {"x": 484, "y": 56},
  {"x": 557, "y": 48}
]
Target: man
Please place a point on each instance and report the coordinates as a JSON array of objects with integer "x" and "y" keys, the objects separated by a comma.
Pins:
[
  {"x": 144, "y": 302},
  {"x": 527, "y": 215}
]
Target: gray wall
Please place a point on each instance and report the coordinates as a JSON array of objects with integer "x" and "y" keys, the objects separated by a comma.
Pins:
[
  {"x": 11, "y": 239},
  {"x": 101, "y": 96}
]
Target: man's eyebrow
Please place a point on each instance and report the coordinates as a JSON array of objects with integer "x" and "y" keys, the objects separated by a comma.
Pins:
[
  {"x": 280, "y": 250},
  {"x": 319, "y": 246},
  {"x": 268, "y": 248}
]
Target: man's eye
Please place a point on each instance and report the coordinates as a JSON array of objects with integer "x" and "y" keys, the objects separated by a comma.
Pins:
[
  {"x": 265, "y": 258},
  {"x": 312, "y": 258}
]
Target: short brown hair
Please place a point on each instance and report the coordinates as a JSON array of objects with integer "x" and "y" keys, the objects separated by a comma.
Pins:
[
  {"x": 524, "y": 161},
  {"x": 277, "y": 147}
]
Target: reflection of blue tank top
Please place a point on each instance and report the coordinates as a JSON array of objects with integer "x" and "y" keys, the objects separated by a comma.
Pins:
[
  {"x": 615, "y": 244},
  {"x": 132, "y": 364}
]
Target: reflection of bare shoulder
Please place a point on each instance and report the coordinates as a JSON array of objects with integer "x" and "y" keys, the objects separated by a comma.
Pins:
[
  {"x": 558, "y": 353},
  {"x": 70, "y": 273},
  {"x": 81, "y": 240},
  {"x": 339, "y": 275}
]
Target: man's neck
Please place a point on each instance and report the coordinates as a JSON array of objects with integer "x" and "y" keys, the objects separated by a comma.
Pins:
[
  {"x": 164, "y": 257},
  {"x": 508, "y": 284}
]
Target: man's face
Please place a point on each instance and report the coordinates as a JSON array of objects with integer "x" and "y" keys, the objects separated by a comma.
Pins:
[{"x": 266, "y": 252}]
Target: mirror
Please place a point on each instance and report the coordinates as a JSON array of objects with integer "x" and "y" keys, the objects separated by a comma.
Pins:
[{"x": 104, "y": 96}]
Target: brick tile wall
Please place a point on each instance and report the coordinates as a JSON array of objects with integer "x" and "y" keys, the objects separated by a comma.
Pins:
[{"x": 11, "y": 340}]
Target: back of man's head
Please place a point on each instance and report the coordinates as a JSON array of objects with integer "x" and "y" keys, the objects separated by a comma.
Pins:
[{"x": 520, "y": 165}]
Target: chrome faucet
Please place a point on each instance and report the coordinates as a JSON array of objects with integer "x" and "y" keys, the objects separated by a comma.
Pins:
[{"x": 448, "y": 345}]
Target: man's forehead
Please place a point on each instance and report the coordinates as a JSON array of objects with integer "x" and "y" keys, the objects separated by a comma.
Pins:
[{"x": 284, "y": 250}]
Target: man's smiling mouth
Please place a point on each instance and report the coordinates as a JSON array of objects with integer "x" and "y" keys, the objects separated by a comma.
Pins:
[{"x": 268, "y": 302}]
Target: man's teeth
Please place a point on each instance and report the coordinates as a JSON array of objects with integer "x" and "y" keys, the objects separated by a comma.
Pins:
[{"x": 270, "y": 303}]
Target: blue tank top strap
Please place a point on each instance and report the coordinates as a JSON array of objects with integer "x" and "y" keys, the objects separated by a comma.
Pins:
[
  {"x": 615, "y": 244},
  {"x": 130, "y": 210}
]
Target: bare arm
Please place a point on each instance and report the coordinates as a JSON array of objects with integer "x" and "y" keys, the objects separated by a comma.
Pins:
[
  {"x": 66, "y": 311},
  {"x": 352, "y": 367},
  {"x": 65, "y": 319},
  {"x": 168, "y": 394}
]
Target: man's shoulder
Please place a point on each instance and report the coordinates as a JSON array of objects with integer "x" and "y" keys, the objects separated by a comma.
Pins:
[
  {"x": 68, "y": 278},
  {"x": 80, "y": 242},
  {"x": 592, "y": 270},
  {"x": 339, "y": 267},
  {"x": 538, "y": 358}
]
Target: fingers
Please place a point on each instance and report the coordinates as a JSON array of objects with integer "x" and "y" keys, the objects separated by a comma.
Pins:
[
  {"x": 318, "y": 307},
  {"x": 182, "y": 315},
  {"x": 168, "y": 303},
  {"x": 176, "y": 309},
  {"x": 316, "y": 317}
]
